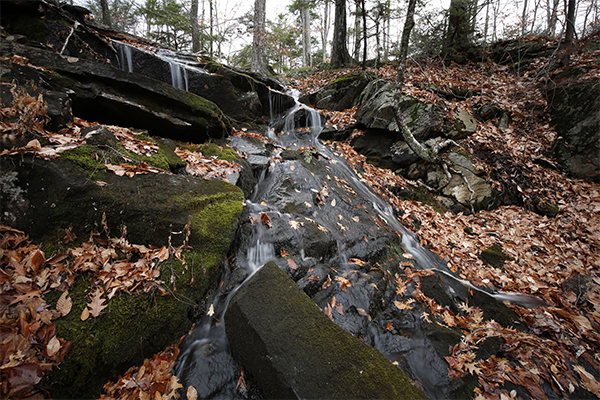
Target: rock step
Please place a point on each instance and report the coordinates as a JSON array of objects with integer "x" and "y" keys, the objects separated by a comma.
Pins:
[{"x": 292, "y": 350}]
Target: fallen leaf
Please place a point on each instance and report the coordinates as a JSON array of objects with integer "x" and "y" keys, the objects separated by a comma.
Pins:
[
  {"x": 53, "y": 346},
  {"x": 191, "y": 393},
  {"x": 97, "y": 303},
  {"x": 64, "y": 304},
  {"x": 85, "y": 314},
  {"x": 292, "y": 264},
  {"x": 211, "y": 310}
]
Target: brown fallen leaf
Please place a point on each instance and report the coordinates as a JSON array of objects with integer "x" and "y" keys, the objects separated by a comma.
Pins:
[
  {"x": 292, "y": 264},
  {"x": 85, "y": 314},
  {"x": 53, "y": 346},
  {"x": 96, "y": 304},
  {"x": 64, "y": 304}
]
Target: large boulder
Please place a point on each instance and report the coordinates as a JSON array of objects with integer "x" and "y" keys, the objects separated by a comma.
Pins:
[
  {"x": 241, "y": 95},
  {"x": 294, "y": 351},
  {"x": 375, "y": 112},
  {"x": 341, "y": 94},
  {"x": 76, "y": 193},
  {"x": 99, "y": 92},
  {"x": 574, "y": 108}
]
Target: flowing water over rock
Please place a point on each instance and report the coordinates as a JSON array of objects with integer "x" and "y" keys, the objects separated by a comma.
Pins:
[{"x": 313, "y": 216}]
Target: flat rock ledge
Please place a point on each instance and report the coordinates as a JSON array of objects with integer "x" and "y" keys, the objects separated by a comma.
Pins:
[{"x": 293, "y": 351}]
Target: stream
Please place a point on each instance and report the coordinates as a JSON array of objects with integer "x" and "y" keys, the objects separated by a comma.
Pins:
[{"x": 341, "y": 243}]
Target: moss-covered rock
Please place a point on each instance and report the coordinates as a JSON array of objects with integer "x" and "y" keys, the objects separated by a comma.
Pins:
[
  {"x": 341, "y": 94},
  {"x": 294, "y": 351},
  {"x": 151, "y": 208},
  {"x": 494, "y": 256}
]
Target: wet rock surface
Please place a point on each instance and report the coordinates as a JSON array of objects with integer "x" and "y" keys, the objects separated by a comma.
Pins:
[{"x": 294, "y": 351}]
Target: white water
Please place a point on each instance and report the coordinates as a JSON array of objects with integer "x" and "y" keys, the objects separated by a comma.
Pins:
[
  {"x": 125, "y": 56},
  {"x": 179, "y": 75}
]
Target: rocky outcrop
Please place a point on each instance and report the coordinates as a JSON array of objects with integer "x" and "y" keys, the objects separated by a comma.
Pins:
[
  {"x": 574, "y": 108},
  {"x": 341, "y": 94},
  {"x": 241, "y": 95},
  {"x": 296, "y": 352},
  {"x": 77, "y": 192},
  {"x": 99, "y": 92},
  {"x": 375, "y": 112},
  {"x": 463, "y": 190}
]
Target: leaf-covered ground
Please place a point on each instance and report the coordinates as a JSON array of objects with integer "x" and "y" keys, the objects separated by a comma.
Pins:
[{"x": 555, "y": 258}]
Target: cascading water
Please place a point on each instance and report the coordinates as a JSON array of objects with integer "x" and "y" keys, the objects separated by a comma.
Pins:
[
  {"x": 348, "y": 221},
  {"x": 125, "y": 57},
  {"x": 179, "y": 75}
]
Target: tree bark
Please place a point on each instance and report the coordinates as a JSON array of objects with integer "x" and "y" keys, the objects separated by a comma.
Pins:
[
  {"x": 194, "y": 22},
  {"x": 363, "y": 13},
  {"x": 570, "y": 23},
  {"x": 305, "y": 16},
  {"x": 259, "y": 63},
  {"x": 325, "y": 29},
  {"x": 409, "y": 138},
  {"x": 339, "y": 51},
  {"x": 105, "y": 13}
]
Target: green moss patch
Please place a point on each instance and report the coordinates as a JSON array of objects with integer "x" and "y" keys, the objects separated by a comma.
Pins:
[{"x": 494, "y": 256}]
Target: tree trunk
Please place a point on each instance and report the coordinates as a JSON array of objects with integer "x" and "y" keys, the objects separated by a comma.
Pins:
[
  {"x": 363, "y": 12},
  {"x": 210, "y": 6},
  {"x": 259, "y": 63},
  {"x": 194, "y": 22},
  {"x": 305, "y": 16},
  {"x": 105, "y": 13},
  {"x": 552, "y": 14},
  {"x": 325, "y": 29},
  {"x": 339, "y": 51},
  {"x": 570, "y": 23},
  {"x": 460, "y": 26},
  {"x": 523, "y": 19},
  {"x": 357, "y": 31},
  {"x": 413, "y": 143}
]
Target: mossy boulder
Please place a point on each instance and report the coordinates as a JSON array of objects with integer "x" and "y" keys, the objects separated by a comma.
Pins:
[
  {"x": 294, "y": 351},
  {"x": 99, "y": 92},
  {"x": 376, "y": 112},
  {"x": 77, "y": 191},
  {"x": 130, "y": 329},
  {"x": 341, "y": 94}
]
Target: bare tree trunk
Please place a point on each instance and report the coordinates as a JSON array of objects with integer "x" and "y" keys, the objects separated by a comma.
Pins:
[
  {"x": 339, "y": 50},
  {"x": 105, "y": 13},
  {"x": 210, "y": 6},
  {"x": 364, "y": 20},
  {"x": 487, "y": 22},
  {"x": 325, "y": 29},
  {"x": 305, "y": 16},
  {"x": 194, "y": 22},
  {"x": 552, "y": 17},
  {"x": 523, "y": 19},
  {"x": 413, "y": 143},
  {"x": 357, "y": 32},
  {"x": 259, "y": 63},
  {"x": 570, "y": 23}
]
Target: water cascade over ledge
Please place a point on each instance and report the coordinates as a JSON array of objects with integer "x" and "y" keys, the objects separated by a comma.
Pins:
[{"x": 342, "y": 244}]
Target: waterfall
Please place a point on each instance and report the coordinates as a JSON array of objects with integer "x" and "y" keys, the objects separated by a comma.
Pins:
[
  {"x": 179, "y": 75},
  {"x": 125, "y": 56}
]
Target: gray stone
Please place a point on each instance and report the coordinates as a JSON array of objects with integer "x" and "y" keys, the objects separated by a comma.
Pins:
[
  {"x": 375, "y": 112},
  {"x": 575, "y": 111},
  {"x": 294, "y": 351}
]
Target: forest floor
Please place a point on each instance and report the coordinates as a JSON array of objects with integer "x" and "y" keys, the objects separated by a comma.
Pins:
[{"x": 555, "y": 258}]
